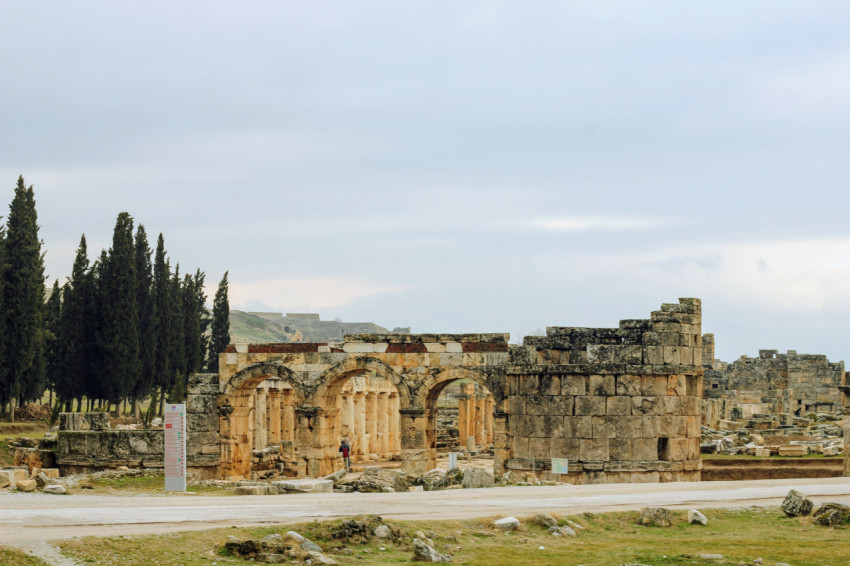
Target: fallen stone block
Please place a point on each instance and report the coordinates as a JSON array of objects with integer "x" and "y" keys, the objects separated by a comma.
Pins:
[
  {"x": 50, "y": 473},
  {"x": 695, "y": 516},
  {"x": 304, "y": 486},
  {"x": 543, "y": 520},
  {"x": 55, "y": 489},
  {"x": 25, "y": 485},
  {"x": 14, "y": 475},
  {"x": 255, "y": 490},
  {"x": 506, "y": 523},
  {"x": 794, "y": 450},
  {"x": 5, "y": 482},
  {"x": 656, "y": 517},
  {"x": 424, "y": 553},
  {"x": 473, "y": 478}
]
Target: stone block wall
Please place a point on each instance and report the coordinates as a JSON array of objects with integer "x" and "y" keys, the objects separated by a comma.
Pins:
[
  {"x": 622, "y": 404},
  {"x": 774, "y": 383}
]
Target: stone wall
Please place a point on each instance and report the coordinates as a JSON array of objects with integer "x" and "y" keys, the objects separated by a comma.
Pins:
[
  {"x": 772, "y": 383},
  {"x": 87, "y": 444},
  {"x": 622, "y": 404}
]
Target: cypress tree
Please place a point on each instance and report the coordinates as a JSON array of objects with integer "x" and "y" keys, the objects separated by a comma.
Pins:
[
  {"x": 52, "y": 326},
  {"x": 162, "y": 324},
  {"x": 23, "y": 300},
  {"x": 119, "y": 336},
  {"x": 194, "y": 312},
  {"x": 78, "y": 370},
  {"x": 147, "y": 319},
  {"x": 5, "y": 387},
  {"x": 177, "y": 339},
  {"x": 220, "y": 329}
]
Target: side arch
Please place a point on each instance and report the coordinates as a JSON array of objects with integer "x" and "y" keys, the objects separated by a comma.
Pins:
[
  {"x": 494, "y": 381},
  {"x": 251, "y": 376}
]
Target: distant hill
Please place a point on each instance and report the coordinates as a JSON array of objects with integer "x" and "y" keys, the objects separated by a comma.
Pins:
[{"x": 265, "y": 327}]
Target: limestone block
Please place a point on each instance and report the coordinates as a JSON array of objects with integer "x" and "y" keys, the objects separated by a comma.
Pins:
[
  {"x": 564, "y": 448},
  {"x": 526, "y": 425},
  {"x": 762, "y": 452},
  {"x": 653, "y": 355},
  {"x": 25, "y": 485},
  {"x": 628, "y": 427},
  {"x": 550, "y": 385},
  {"x": 450, "y": 359},
  {"x": 654, "y": 385},
  {"x": 452, "y": 347},
  {"x": 578, "y": 427},
  {"x": 628, "y": 385},
  {"x": 602, "y": 385},
  {"x": 593, "y": 449},
  {"x": 672, "y": 355},
  {"x": 357, "y": 347},
  {"x": 589, "y": 405},
  {"x": 198, "y": 422},
  {"x": 49, "y": 473},
  {"x": 529, "y": 385},
  {"x": 604, "y": 427},
  {"x": 304, "y": 486},
  {"x": 645, "y": 406},
  {"x": 14, "y": 475},
  {"x": 676, "y": 385},
  {"x": 520, "y": 447},
  {"x": 516, "y": 404},
  {"x": 677, "y": 449},
  {"x": 561, "y": 405},
  {"x": 650, "y": 426},
  {"x": 645, "y": 449},
  {"x": 620, "y": 449},
  {"x": 537, "y": 404},
  {"x": 230, "y": 359},
  {"x": 204, "y": 404},
  {"x": 573, "y": 385},
  {"x": 671, "y": 405},
  {"x": 538, "y": 448},
  {"x": 619, "y": 406}
]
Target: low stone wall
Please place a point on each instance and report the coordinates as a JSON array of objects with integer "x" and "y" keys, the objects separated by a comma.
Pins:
[{"x": 87, "y": 444}]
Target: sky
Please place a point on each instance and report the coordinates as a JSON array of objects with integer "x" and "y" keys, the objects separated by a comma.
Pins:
[{"x": 454, "y": 166}]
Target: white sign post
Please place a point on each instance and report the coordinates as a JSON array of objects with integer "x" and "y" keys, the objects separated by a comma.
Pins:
[
  {"x": 452, "y": 460},
  {"x": 175, "y": 447},
  {"x": 560, "y": 466}
]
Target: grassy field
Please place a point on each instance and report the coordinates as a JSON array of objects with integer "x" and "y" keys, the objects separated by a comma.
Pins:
[
  {"x": 14, "y": 430},
  {"x": 740, "y": 536},
  {"x": 14, "y": 557}
]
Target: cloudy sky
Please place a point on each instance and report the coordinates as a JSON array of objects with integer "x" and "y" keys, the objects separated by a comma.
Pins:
[{"x": 454, "y": 166}]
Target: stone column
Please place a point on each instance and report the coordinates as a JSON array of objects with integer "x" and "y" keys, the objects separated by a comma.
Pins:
[
  {"x": 358, "y": 443},
  {"x": 395, "y": 439},
  {"x": 288, "y": 416},
  {"x": 480, "y": 437},
  {"x": 468, "y": 389},
  {"x": 847, "y": 447},
  {"x": 488, "y": 417},
  {"x": 235, "y": 436},
  {"x": 259, "y": 418},
  {"x": 383, "y": 425},
  {"x": 309, "y": 442},
  {"x": 501, "y": 442},
  {"x": 274, "y": 416},
  {"x": 372, "y": 421},
  {"x": 347, "y": 428},
  {"x": 414, "y": 456}
]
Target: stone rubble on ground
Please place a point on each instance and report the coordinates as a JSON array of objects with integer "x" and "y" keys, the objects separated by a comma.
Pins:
[
  {"x": 423, "y": 552},
  {"x": 656, "y": 517},
  {"x": 832, "y": 514},
  {"x": 506, "y": 524},
  {"x": 544, "y": 520},
  {"x": 796, "y": 504},
  {"x": 695, "y": 516}
]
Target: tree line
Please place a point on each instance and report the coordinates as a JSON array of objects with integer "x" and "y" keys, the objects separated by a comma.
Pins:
[{"x": 122, "y": 329}]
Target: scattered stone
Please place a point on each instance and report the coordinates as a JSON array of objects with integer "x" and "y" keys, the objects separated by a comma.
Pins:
[
  {"x": 55, "y": 489},
  {"x": 25, "y": 485},
  {"x": 711, "y": 556},
  {"x": 156, "y": 423},
  {"x": 382, "y": 531},
  {"x": 380, "y": 480},
  {"x": 272, "y": 538},
  {"x": 319, "y": 558},
  {"x": 695, "y": 516},
  {"x": 310, "y": 546},
  {"x": 544, "y": 520},
  {"x": 304, "y": 486},
  {"x": 255, "y": 490},
  {"x": 796, "y": 504},
  {"x": 507, "y": 523},
  {"x": 832, "y": 514},
  {"x": 574, "y": 525},
  {"x": 424, "y": 553},
  {"x": 562, "y": 531},
  {"x": 5, "y": 482},
  {"x": 40, "y": 479},
  {"x": 473, "y": 478},
  {"x": 656, "y": 517},
  {"x": 336, "y": 476},
  {"x": 424, "y": 538}
]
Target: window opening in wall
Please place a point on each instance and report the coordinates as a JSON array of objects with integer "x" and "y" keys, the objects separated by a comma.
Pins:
[{"x": 663, "y": 449}]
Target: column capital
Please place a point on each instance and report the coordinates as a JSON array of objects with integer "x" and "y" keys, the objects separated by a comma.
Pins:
[
  {"x": 412, "y": 412},
  {"x": 308, "y": 411}
]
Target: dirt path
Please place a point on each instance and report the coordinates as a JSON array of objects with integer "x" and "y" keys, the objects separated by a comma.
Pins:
[{"x": 26, "y": 519}]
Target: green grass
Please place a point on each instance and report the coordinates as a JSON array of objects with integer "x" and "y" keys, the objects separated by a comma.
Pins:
[
  {"x": 135, "y": 485},
  {"x": 609, "y": 539},
  {"x": 14, "y": 557}
]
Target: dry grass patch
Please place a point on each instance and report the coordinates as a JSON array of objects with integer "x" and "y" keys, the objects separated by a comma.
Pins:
[
  {"x": 608, "y": 539},
  {"x": 14, "y": 557}
]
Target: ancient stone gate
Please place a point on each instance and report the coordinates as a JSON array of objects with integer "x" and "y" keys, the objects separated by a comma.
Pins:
[{"x": 622, "y": 404}]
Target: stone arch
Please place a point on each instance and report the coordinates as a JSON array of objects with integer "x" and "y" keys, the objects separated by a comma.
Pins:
[
  {"x": 330, "y": 412},
  {"x": 249, "y": 415},
  {"x": 425, "y": 419}
]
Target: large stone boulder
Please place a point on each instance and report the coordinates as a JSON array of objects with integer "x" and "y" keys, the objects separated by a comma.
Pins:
[
  {"x": 473, "y": 478},
  {"x": 695, "y": 517},
  {"x": 304, "y": 486},
  {"x": 544, "y": 520},
  {"x": 437, "y": 478},
  {"x": 25, "y": 485},
  {"x": 506, "y": 523},
  {"x": 55, "y": 489},
  {"x": 380, "y": 480},
  {"x": 796, "y": 504},
  {"x": 656, "y": 517},
  {"x": 424, "y": 553},
  {"x": 832, "y": 514}
]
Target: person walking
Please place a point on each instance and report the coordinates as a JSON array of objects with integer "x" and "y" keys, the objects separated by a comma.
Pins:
[{"x": 345, "y": 449}]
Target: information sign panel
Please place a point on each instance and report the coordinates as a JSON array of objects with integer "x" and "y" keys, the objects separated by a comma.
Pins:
[
  {"x": 175, "y": 447},
  {"x": 559, "y": 465}
]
